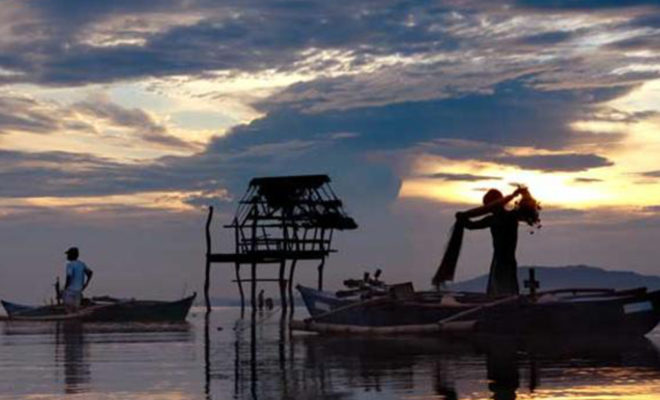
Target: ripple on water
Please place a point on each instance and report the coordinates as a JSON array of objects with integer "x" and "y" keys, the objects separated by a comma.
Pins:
[{"x": 173, "y": 361}]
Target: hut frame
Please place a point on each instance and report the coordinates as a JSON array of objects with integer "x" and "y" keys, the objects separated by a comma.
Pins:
[{"x": 280, "y": 220}]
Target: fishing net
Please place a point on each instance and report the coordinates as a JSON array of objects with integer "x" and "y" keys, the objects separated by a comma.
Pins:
[{"x": 528, "y": 209}]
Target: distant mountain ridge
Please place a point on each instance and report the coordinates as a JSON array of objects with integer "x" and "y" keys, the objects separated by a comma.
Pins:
[{"x": 577, "y": 276}]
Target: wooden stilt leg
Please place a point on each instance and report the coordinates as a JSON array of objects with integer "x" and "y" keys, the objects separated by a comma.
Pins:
[
  {"x": 320, "y": 268},
  {"x": 207, "y": 272},
  {"x": 291, "y": 272},
  {"x": 282, "y": 283},
  {"x": 207, "y": 278},
  {"x": 253, "y": 294},
  {"x": 237, "y": 269}
]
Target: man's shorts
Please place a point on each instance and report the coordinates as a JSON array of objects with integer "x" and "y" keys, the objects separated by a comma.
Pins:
[{"x": 72, "y": 299}]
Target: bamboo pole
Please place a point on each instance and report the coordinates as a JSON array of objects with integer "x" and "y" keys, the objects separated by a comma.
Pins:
[
  {"x": 322, "y": 264},
  {"x": 319, "y": 327},
  {"x": 237, "y": 267},
  {"x": 208, "y": 262},
  {"x": 253, "y": 271},
  {"x": 320, "y": 271},
  {"x": 282, "y": 282},
  {"x": 292, "y": 270},
  {"x": 473, "y": 310}
]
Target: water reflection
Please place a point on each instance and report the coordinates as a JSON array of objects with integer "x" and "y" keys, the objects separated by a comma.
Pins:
[
  {"x": 70, "y": 336},
  {"x": 502, "y": 369},
  {"x": 271, "y": 362},
  {"x": 58, "y": 359},
  {"x": 221, "y": 356}
]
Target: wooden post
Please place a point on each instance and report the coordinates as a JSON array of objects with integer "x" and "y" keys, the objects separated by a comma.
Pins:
[
  {"x": 237, "y": 267},
  {"x": 207, "y": 357},
  {"x": 253, "y": 289},
  {"x": 253, "y": 294},
  {"x": 320, "y": 268},
  {"x": 291, "y": 272},
  {"x": 322, "y": 264},
  {"x": 282, "y": 284},
  {"x": 284, "y": 247},
  {"x": 237, "y": 271},
  {"x": 208, "y": 261}
]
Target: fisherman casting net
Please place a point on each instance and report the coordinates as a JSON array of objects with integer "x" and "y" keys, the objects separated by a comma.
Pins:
[{"x": 526, "y": 209}]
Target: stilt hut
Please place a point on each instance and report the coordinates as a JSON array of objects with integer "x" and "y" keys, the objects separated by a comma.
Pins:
[{"x": 280, "y": 220}]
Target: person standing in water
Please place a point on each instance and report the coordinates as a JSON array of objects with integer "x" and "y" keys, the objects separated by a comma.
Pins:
[
  {"x": 78, "y": 276},
  {"x": 503, "y": 224}
]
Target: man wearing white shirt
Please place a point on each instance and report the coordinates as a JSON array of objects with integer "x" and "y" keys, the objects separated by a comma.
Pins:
[{"x": 77, "y": 279}]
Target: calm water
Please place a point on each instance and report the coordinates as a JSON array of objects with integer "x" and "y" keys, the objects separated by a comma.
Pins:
[{"x": 134, "y": 361}]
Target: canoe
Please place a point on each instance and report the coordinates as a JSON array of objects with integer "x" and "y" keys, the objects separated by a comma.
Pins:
[
  {"x": 566, "y": 311},
  {"x": 105, "y": 310}
]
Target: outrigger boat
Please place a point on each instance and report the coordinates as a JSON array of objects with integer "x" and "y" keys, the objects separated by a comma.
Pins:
[
  {"x": 105, "y": 309},
  {"x": 398, "y": 309},
  {"x": 369, "y": 306}
]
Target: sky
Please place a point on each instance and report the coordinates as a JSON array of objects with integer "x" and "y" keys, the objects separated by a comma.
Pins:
[{"x": 120, "y": 122}]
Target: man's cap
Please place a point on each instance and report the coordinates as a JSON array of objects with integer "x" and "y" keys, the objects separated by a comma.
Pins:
[{"x": 71, "y": 250}]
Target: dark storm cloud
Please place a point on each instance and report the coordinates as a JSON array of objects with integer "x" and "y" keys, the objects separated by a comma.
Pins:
[
  {"x": 156, "y": 38},
  {"x": 289, "y": 141},
  {"x": 461, "y": 177},
  {"x": 513, "y": 114},
  {"x": 226, "y": 38},
  {"x": 557, "y": 162},
  {"x": 472, "y": 127}
]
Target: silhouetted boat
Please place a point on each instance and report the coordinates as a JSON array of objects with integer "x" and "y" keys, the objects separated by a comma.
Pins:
[
  {"x": 105, "y": 309},
  {"x": 565, "y": 311}
]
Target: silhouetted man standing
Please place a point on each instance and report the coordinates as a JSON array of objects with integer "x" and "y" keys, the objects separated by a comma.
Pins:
[
  {"x": 503, "y": 224},
  {"x": 77, "y": 279}
]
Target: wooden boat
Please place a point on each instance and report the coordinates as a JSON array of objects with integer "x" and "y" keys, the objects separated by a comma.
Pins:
[
  {"x": 105, "y": 309},
  {"x": 565, "y": 311}
]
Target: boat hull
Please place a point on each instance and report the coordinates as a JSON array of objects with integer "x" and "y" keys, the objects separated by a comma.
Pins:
[
  {"x": 121, "y": 311},
  {"x": 616, "y": 313}
]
